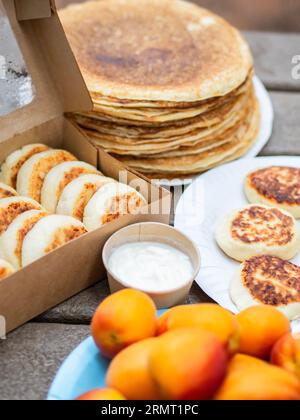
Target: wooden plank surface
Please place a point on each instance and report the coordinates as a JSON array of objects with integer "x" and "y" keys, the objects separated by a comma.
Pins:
[
  {"x": 30, "y": 357},
  {"x": 273, "y": 55}
]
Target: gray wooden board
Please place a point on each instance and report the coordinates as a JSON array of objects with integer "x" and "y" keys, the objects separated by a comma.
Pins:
[
  {"x": 273, "y": 55},
  {"x": 31, "y": 356}
]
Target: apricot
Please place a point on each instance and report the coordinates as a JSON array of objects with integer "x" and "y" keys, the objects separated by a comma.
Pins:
[
  {"x": 102, "y": 394},
  {"x": 188, "y": 364},
  {"x": 209, "y": 317},
  {"x": 122, "y": 319},
  {"x": 260, "y": 328},
  {"x": 129, "y": 372},
  {"x": 286, "y": 353},
  {"x": 252, "y": 379}
]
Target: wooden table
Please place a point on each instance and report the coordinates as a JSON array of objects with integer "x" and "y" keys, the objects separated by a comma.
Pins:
[{"x": 31, "y": 355}]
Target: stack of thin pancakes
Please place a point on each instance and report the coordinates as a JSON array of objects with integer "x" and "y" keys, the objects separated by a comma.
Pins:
[{"x": 171, "y": 84}]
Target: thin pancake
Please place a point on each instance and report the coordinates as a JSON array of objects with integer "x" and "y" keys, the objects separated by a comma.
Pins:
[
  {"x": 156, "y": 50},
  {"x": 194, "y": 164}
]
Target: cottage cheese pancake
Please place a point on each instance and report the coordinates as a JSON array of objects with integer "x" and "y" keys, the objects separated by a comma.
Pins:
[
  {"x": 6, "y": 269},
  {"x": 11, "y": 208},
  {"x": 277, "y": 186},
  {"x": 58, "y": 178},
  {"x": 33, "y": 173},
  {"x": 77, "y": 194},
  {"x": 48, "y": 234},
  {"x": 270, "y": 281},
  {"x": 111, "y": 202},
  {"x": 258, "y": 230},
  {"x": 13, "y": 163},
  {"x": 12, "y": 239},
  {"x": 6, "y": 191}
]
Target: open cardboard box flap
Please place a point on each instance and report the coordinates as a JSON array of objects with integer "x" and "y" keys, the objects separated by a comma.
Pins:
[{"x": 57, "y": 81}]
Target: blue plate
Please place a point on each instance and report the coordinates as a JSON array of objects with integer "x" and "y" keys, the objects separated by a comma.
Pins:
[{"x": 84, "y": 370}]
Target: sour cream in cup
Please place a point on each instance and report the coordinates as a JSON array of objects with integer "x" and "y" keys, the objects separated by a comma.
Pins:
[{"x": 154, "y": 258}]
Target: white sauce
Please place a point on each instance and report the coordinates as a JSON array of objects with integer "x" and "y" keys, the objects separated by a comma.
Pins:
[{"x": 151, "y": 266}]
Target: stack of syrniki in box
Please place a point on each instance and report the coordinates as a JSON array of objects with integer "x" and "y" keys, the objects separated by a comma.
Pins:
[
  {"x": 171, "y": 84},
  {"x": 48, "y": 198}
]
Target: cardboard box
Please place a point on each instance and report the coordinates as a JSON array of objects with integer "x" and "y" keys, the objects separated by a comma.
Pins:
[{"x": 59, "y": 88}]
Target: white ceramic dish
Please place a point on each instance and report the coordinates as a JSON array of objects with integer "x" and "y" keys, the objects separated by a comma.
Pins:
[
  {"x": 267, "y": 120},
  {"x": 210, "y": 197}
]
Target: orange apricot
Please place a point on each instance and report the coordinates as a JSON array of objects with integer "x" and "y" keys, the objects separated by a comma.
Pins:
[
  {"x": 102, "y": 394},
  {"x": 210, "y": 317},
  {"x": 252, "y": 379},
  {"x": 122, "y": 319},
  {"x": 286, "y": 353},
  {"x": 129, "y": 372},
  {"x": 188, "y": 364},
  {"x": 260, "y": 328}
]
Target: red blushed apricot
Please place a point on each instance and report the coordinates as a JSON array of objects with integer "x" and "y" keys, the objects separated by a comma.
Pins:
[
  {"x": 209, "y": 317},
  {"x": 261, "y": 327},
  {"x": 129, "y": 372},
  {"x": 188, "y": 364},
  {"x": 122, "y": 319},
  {"x": 286, "y": 353},
  {"x": 252, "y": 379},
  {"x": 102, "y": 394}
]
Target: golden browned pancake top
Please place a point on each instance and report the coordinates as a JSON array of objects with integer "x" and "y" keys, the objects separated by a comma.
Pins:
[
  {"x": 27, "y": 226},
  {"x": 257, "y": 224},
  {"x": 158, "y": 50},
  {"x": 12, "y": 211},
  {"x": 278, "y": 183},
  {"x": 70, "y": 175},
  {"x": 65, "y": 235},
  {"x": 272, "y": 281},
  {"x": 86, "y": 194},
  {"x": 42, "y": 168},
  {"x": 5, "y": 193},
  {"x": 122, "y": 205}
]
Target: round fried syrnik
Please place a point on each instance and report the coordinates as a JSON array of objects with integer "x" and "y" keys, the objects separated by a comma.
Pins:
[
  {"x": 258, "y": 224},
  {"x": 257, "y": 230},
  {"x": 12, "y": 207},
  {"x": 159, "y": 50},
  {"x": 278, "y": 186},
  {"x": 268, "y": 280}
]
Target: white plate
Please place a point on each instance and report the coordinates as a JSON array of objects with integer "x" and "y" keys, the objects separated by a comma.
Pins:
[
  {"x": 267, "y": 120},
  {"x": 209, "y": 198}
]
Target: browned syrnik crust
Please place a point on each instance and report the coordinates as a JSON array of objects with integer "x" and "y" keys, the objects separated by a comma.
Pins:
[
  {"x": 122, "y": 205},
  {"x": 272, "y": 281},
  {"x": 260, "y": 225},
  {"x": 8, "y": 214},
  {"x": 6, "y": 193},
  {"x": 279, "y": 184},
  {"x": 27, "y": 227},
  {"x": 63, "y": 236}
]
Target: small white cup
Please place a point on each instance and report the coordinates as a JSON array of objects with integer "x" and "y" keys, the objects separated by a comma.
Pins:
[{"x": 154, "y": 232}]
